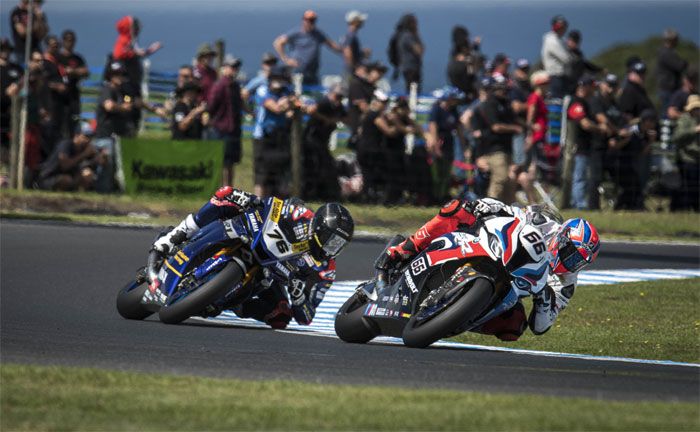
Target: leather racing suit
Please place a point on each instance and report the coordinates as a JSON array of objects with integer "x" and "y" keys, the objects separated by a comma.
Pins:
[
  {"x": 305, "y": 279},
  {"x": 548, "y": 302}
]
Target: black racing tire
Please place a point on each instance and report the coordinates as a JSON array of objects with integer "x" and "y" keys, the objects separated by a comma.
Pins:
[
  {"x": 199, "y": 299},
  {"x": 350, "y": 325},
  {"x": 467, "y": 308},
  {"x": 129, "y": 303}
]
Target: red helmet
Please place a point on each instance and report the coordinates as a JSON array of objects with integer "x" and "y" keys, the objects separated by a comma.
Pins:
[{"x": 575, "y": 245}]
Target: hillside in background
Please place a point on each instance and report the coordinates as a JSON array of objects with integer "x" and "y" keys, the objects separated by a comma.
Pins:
[{"x": 615, "y": 57}]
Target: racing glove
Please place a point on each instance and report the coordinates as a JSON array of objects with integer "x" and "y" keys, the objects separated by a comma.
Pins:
[
  {"x": 486, "y": 207},
  {"x": 296, "y": 288},
  {"x": 402, "y": 251},
  {"x": 177, "y": 235}
]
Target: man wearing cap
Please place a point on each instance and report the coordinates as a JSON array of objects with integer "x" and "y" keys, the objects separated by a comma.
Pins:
[
  {"x": 634, "y": 99},
  {"x": 686, "y": 137},
  {"x": 556, "y": 57},
  {"x": 203, "y": 71},
  {"x": 443, "y": 124},
  {"x": 669, "y": 68},
  {"x": 581, "y": 128},
  {"x": 362, "y": 85},
  {"x": 224, "y": 109},
  {"x": 275, "y": 104},
  {"x": 73, "y": 164},
  {"x": 113, "y": 106},
  {"x": 268, "y": 61},
  {"x": 304, "y": 48},
  {"x": 10, "y": 84},
  {"x": 499, "y": 126},
  {"x": 352, "y": 50},
  {"x": 187, "y": 114},
  {"x": 609, "y": 117},
  {"x": 320, "y": 175}
]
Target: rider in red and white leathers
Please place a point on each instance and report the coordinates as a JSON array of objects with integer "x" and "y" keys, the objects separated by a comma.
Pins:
[{"x": 571, "y": 246}]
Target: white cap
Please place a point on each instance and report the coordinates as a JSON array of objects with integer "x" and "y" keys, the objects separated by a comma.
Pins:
[
  {"x": 381, "y": 96},
  {"x": 355, "y": 15}
]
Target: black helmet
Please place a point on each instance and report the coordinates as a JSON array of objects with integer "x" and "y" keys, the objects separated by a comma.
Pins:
[{"x": 331, "y": 229}]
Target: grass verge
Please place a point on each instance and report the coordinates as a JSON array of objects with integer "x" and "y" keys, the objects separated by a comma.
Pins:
[
  {"x": 159, "y": 210},
  {"x": 57, "y": 398},
  {"x": 650, "y": 320}
]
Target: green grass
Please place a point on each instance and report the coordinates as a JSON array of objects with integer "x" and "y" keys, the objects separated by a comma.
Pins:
[
  {"x": 650, "y": 320},
  {"x": 53, "y": 398}
]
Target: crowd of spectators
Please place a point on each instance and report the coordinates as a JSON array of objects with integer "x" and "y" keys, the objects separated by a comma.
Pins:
[{"x": 487, "y": 133}]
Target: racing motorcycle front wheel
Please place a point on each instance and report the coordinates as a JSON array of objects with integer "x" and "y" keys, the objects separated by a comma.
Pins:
[
  {"x": 471, "y": 304},
  {"x": 187, "y": 302},
  {"x": 129, "y": 298},
  {"x": 350, "y": 324}
]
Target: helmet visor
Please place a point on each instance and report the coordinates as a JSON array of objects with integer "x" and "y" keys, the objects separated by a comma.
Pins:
[
  {"x": 334, "y": 245},
  {"x": 571, "y": 258}
]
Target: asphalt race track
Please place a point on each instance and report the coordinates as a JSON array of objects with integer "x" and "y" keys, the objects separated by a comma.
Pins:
[{"x": 58, "y": 285}]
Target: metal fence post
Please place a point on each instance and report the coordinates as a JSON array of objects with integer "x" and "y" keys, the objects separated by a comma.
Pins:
[
  {"x": 296, "y": 140},
  {"x": 412, "y": 105},
  {"x": 144, "y": 91},
  {"x": 25, "y": 104}
]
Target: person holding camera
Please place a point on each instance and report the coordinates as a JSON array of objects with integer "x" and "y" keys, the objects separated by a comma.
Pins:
[
  {"x": 187, "y": 114},
  {"x": 275, "y": 107}
]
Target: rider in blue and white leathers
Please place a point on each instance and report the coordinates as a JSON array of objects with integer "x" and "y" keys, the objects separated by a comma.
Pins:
[{"x": 571, "y": 245}]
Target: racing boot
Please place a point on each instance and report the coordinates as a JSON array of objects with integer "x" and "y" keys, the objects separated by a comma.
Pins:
[{"x": 177, "y": 235}]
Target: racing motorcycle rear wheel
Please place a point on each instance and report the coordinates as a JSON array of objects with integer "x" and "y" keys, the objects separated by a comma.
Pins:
[
  {"x": 129, "y": 298},
  {"x": 183, "y": 305},
  {"x": 350, "y": 324},
  {"x": 471, "y": 304}
]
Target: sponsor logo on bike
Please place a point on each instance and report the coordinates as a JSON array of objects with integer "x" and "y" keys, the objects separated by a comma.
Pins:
[
  {"x": 253, "y": 222},
  {"x": 276, "y": 211},
  {"x": 409, "y": 282}
]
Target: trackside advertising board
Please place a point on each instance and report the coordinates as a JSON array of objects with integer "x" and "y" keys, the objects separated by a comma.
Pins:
[{"x": 175, "y": 168}]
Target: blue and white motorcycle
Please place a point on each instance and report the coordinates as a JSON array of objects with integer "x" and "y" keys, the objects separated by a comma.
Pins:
[{"x": 218, "y": 268}]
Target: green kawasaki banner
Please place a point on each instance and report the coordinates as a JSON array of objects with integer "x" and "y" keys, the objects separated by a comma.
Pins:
[{"x": 176, "y": 168}]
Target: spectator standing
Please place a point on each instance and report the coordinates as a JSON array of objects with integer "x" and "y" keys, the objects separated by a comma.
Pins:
[
  {"x": 224, "y": 109},
  {"x": 304, "y": 46},
  {"x": 686, "y": 137},
  {"x": 19, "y": 18},
  {"x": 518, "y": 94},
  {"x": 464, "y": 65},
  {"x": 610, "y": 118},
  {"x": 401, "y": 124},
  {"x": 634, "y": 99},
  {"x": 410, "y": 51},
  {"x": 275, "y": 105},
  {"x": 679, "y": 99},
  {"x": 536, "y": 122},
  {"x": 363, "y": 83},
  {"x": 443, "y": 124},
  {"x": 370, "y": 145},
  {"x": 320, "y": 174},
  {"x": 76, "y": 69},
  {"x": 114, "y": 109},
  {"x": 581, "y": 128},
  {"x": 185, "y": 75},
  {"x": 670, "y": 67},
  {"x": 38, "y": 118},
  {"x": 267, "y": 63},
  {"x": 556, "y": 57},
  {"x": 579, "y": 65},
  {"x": 203, "y": 71},
  {"x": 10, "y": 85},
  {"x": 500, "y": 124},
  {"x": 74, "y": 163},
  {"x": 352, "y": 49},
  {"x": 187, "y": 113},
  {"x": 57, "y": 81},
  {"x": 127, "y": 51}
]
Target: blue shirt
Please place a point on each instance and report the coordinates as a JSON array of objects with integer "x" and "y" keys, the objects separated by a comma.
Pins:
[
  {"x": 265, "y": 120},
  {"x": 351, "y": 40},
  {"x": 305, "y": 48},
  {"x": 254, "y": 84}
]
